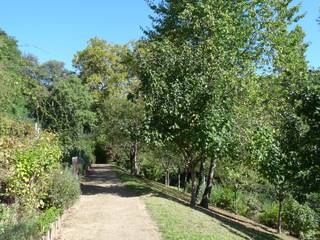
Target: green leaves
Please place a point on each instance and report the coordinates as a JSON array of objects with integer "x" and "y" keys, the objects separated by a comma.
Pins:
[
  {"x": 101, "y": 66},
  {"x": 32, "y": 165},
  {"x": 12, "y": 79}
]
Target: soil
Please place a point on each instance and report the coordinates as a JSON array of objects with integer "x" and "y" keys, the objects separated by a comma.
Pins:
[{"x": 107, "y": 210}]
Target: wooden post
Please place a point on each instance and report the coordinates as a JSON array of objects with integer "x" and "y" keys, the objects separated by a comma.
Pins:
[{"x": 75, "y": 166}]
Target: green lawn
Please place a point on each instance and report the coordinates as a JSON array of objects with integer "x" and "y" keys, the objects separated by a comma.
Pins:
[{"x": 176, "y": 220}]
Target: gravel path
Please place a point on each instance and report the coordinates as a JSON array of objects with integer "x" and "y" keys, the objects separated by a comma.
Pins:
[{"x": 107, "y": 210}]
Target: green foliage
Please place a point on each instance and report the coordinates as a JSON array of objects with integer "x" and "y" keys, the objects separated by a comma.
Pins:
[
  {"x": 125, "y": 117},
  {"x": 101, "y": 67},
  {"x": 226, "y": 198},
  {"x": 29, "y": 157},
  {"x": 50, "y": 72},
  {"x": 150, "y": 166},
  {"x": 308, "y": 105},
  {"x": 313, "y": 200},
  {"x": 84, "y": 147},
  {"x": 64, "y": 189},
  {"x": 269, "y": 215},
  {"x": 32, "y": 165},
  {"x": 8, "y": 214},
  {"x": 67, "y": 108},
  {"x": 222, "y": 197},
  {"x": 199, "y": 63},
  {"x": 300, "y": 220},
  {"x": 31, "y": 226},
  {"x": 26, "y": 229},
  {"x": 47, "y": 218},
  {"x": 12, "y": 79},
  {"x": 11, "y": 127}
]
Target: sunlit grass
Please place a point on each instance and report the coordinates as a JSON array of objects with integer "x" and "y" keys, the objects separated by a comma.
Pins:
[{"x": 177, "y": 221}]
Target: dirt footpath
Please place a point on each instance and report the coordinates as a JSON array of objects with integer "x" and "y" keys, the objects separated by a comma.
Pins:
[{"x": 107, "y": 210}]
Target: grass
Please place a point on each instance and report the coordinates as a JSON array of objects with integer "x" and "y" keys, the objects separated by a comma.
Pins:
[{"x": 177, "y": 221}]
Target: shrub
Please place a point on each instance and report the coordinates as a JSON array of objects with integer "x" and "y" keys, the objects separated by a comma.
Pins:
[
  {"x": 269, "y": 215},
  {"x": 313, "y": 200},
  {"x": 150, "y": 167},
  {"x": 254, "y": 205},
  {"x": 8, "y": 215},
  {"x": 32, "y": 166},
  {"x": 222, "y": 197},
  {"x": 240, "y": 203},
  {"x": 300, "y": 220},
  {"x": 25, "y": 229},
  {"x": 64, "y": 189},
  {"x": 47, "y": 218},
  {"x": 31, "y": 226}
]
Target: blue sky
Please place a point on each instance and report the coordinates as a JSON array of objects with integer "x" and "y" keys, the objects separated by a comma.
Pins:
[{"x": 58, "y": 29}]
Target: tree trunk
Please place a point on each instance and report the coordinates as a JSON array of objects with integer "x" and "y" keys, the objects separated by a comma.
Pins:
[
  {"x": 135, "y": 167},
  {"x": 200, "y": 177},
  {"x": 179, "y": 180},
  {"x": 167, "y": 178},
  {"x": 279, "y": 227},
  {"x": 193, "y": 189},
  {"x": 207, "y": 192},
  {"x": 185, "y": 181}
]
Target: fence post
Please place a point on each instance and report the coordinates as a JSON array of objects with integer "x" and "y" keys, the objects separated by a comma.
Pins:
[{"x": 75, "y": 166}]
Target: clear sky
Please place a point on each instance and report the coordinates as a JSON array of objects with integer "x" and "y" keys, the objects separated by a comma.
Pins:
[{"x": 57, "y": 29}]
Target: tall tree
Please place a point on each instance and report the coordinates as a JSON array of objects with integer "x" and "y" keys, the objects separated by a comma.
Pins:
[
  {"x": 281, "y": 165},
  {"x": 101, "y": 67},
  {"x": 106, "y": 70},
  {"x": 51, "y": 71},
  {"x": 65, "y": 109},
  {"x": 308, "y": 116},
  {"x": 196, "y": 62},
  {"x": 13, "y": 81}
]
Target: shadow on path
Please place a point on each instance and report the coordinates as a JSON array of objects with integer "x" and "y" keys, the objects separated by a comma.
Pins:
[
  {"x": 102, "y": 180},
  {"x": 105, "y": 180},
  {"x": 252, "y": 230}
]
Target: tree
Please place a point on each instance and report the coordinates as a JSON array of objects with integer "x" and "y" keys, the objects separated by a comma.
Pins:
[
  {"x": 169, "y": 160},
  {"x": 13, "y": 81},
  {"x": 196, "y": 62},
  {"x": 51, "y": 71},
  {"x": 66, "y": 110},
  {"x": 307, "y": 111},
  {"x": 121, "y": 128},
  {"x": 101, "y": 67},
  {"x": 106, "y": 70},
  {"x": 281, "y": 131}
]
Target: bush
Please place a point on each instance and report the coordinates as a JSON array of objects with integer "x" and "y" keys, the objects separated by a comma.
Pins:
[
  {"x": 31, "y": 226},
  {"x": 254, "y": 205},
  {"x": 313, "y": 200},
  {"x": 25, "y": 229},
  {"x": 222, "y": 197},
  {"x": 47, "y": 218},
  {"x": 8, "y": 215},
  {"x": 269, "y": 215},
  {"x": 240, "y": 202},
  {"x": 300, "y": 220},
  {"x": 64, "y": 189},
  {"x": 31, "y": 168}
]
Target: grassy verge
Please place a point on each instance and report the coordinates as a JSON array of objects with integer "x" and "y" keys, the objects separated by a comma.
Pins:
[{"x": 168, "y": 207}]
